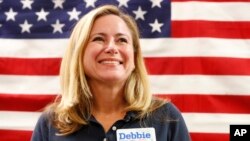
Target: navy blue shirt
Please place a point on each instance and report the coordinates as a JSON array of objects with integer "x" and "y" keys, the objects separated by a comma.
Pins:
[{"x": 166, "y": 120}]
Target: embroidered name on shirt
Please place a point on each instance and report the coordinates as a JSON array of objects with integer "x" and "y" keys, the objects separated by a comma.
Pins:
[{"x": 134, "y": 134}]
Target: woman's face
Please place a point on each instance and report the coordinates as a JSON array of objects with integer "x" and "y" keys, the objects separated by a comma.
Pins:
[{"x": 109, "y": 55}]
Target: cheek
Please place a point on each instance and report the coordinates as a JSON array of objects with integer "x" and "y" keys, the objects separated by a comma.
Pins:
[
  {"x": 88, "y": 59},
  {"x": 130, "y": 58},
  {"x": 90, "y": 54}
]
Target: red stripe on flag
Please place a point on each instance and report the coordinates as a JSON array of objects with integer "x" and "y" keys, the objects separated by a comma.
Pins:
[
  {"x": 30, "y": 66},
  {"x": 165, "y": 65},
  {"x": 210, "y": 103},
  {"x": 15, "y": 135},
  {"x": 198, "y": 65},
  {"x": 200, "y": 103},
  {"x": 20, "y": 102},
  {"x": 219, "y": 29},
  {"x": 209, "y": 136}
]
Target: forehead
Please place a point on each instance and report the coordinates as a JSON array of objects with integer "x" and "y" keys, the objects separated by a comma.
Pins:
[{"x": 110, "y": 24}]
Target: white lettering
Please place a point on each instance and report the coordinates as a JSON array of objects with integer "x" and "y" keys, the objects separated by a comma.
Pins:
[
  {"x": 243, "y": 131},
  {"x": 239, "y": 132}
]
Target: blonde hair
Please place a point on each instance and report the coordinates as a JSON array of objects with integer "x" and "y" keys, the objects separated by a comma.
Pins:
[{"x": 73, "y": 108}]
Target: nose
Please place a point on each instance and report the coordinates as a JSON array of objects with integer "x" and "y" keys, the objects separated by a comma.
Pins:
[{"x": 111, "y": 48}]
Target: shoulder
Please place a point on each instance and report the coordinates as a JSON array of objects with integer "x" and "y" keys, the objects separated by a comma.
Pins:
[
  {"x": 44, "y": 121},
  {"x": 168, "y": 122},
  {"x": 43, "y": 128},
  {"x": 168, "y": 111},
  {"x": 45, "y": 118}
]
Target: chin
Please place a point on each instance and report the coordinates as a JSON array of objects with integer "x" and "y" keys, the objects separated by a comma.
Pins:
[{"x": 114, "y": 78}]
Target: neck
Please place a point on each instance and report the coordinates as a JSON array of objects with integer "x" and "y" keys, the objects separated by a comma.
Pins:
[{"x": 108, "y": 99}]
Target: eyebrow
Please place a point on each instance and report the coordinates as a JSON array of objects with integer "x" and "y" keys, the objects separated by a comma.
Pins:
[{"x": 103, "y": 34}]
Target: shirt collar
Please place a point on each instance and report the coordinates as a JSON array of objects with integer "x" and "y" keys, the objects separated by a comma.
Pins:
[{"x": 130, "y": 115}]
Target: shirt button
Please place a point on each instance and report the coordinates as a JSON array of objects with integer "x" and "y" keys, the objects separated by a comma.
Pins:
[
  {"x": 105, "y": 139},
  {"x": 113, "y": 128}
]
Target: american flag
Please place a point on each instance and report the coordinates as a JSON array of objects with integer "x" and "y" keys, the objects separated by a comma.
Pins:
[{"x": 197, "y": 53}]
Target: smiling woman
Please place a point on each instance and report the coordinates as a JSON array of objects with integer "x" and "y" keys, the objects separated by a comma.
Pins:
[
  {"x": 109, "y": 54},
  {"x": 105, "y": 93}
]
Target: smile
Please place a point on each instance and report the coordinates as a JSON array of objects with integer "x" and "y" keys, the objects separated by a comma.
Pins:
[{"x": 110, "y": 61}]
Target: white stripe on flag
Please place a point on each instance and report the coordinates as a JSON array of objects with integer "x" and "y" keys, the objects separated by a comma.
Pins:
[
  {"x": 20, "y": 84},
  {"x": 161, "y": 84},
  {"x": 185, "y": 47},
  {"x": 213, "y": 123},
  {"x": 200, "y": 84},
  {"x": 18, "y": 120},
  {"x": 223, "y": 11},
  {"x": 192, "y": 47},
  {"x": 32, "y": 48}
]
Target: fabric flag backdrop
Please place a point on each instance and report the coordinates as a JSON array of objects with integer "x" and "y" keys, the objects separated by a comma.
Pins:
[{"x": 197, "y": 53}]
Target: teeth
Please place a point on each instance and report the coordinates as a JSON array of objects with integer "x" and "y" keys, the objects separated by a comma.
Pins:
[{"x": 111, "y": 62}]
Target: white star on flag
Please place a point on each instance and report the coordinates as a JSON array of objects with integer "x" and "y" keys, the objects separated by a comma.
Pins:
[
  {"x": 58, "y": 3},
  {"x": 42, "y": 15},
  {"x": 156, "y": 3},
  {"x": 26, "y": 3},
  {"x": 90, "y": 3},
  {"x": 10, "y": 15},
  {"x": 123, "y": 3},
  {"x": 139, "y": 14},
  {"x": 74, "y": 14},
  {"x": 156, "y": 26},
  {"x": 25, "y": 26},
  {"x": 57, "y": 27}
]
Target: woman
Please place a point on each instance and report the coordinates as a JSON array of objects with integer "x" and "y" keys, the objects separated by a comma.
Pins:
[{"x": 105, "y": 91}]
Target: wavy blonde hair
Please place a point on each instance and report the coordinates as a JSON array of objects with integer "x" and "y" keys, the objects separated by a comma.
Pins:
[{"x": 73, "y": 108}]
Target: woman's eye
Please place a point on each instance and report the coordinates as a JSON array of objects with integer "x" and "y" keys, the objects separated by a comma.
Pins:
[
  {"x": 98, "y": 39},
  {"x": 123, "y": 40}
]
